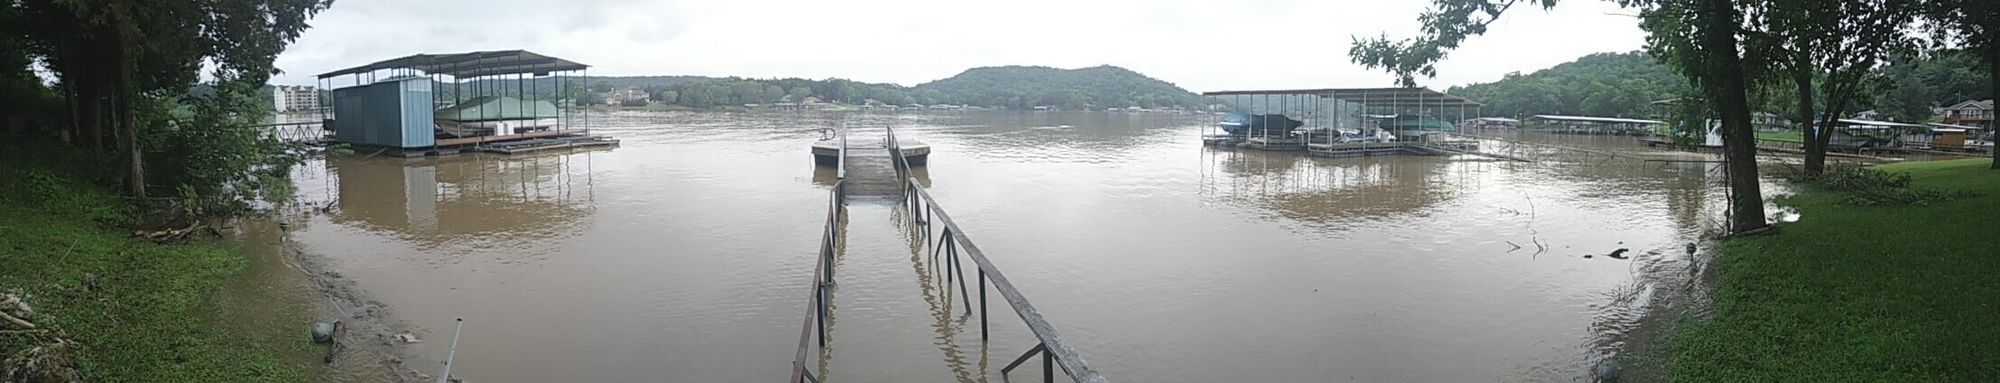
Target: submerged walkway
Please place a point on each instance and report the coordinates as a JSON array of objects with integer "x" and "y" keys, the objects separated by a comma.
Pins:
[
  {"x": 892, "y": 299},
  {"x": 887, "y": 324},
  {"x": 870, "y": 169}
]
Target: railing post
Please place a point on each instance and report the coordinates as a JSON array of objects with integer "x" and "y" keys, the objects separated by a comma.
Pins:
[
  {"x": 982, "y": 305},
  {"x": 1048, "y": 367},
  {"x": 959, "y": 268},
  {"x": 820, "y": 300}
]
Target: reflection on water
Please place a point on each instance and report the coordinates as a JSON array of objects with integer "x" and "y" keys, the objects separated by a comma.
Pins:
[
  {"x": 684, "y": 254},
  {"x": 431, "y": 200}
]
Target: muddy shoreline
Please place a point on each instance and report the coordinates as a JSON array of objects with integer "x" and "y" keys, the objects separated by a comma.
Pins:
[{"x": 370, "y": 348}]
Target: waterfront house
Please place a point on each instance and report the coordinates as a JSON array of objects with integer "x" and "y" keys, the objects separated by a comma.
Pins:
[{"x": 1971, "y": 113}]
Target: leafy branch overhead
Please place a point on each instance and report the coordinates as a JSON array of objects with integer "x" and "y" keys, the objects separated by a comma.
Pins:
[{"x": 1447, "y": 24}]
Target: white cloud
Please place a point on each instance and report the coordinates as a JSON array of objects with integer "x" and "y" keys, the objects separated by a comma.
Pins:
[{"x": 1198, "y": 44}]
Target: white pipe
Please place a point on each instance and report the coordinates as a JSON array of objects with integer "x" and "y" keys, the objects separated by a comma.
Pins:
[{"x": 445, "y": 377}]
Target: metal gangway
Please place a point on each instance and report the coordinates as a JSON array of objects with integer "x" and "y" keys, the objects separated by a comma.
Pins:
[{"x": 944, "y": 240}]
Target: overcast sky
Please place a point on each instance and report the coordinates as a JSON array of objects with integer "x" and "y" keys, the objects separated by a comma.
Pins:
[{"x": 1201, "y": 45}]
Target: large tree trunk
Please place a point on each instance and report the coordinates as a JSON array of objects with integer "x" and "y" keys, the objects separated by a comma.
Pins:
[
  {"x": 74, "y": 128},
  {"x": 1728, "y": 86},
  {"x": 1993, "y": 75},
  {"x": 93, "y": 113},
  {"x": 127, "y": 118},
  {"x": 1815, "y": 150}
]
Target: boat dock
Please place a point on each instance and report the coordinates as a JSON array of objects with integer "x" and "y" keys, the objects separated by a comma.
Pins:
[
  {"x": 1344, "y": 122},
  {"x": 901, "y": 226}
]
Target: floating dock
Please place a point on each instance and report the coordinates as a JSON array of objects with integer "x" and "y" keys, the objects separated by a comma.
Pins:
[
  {"x": 1342, "y": 122},
  {"x": 540, "y": 144},
  {"x": 826, "y": 152}
]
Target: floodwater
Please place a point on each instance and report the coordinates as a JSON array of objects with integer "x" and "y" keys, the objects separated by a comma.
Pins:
[{"x": 686, "y": 253}]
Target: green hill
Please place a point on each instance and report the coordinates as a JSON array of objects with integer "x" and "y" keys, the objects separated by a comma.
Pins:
[
  {"x": 1028, "y": 86},
  {"x": 1599, "y": 84}
]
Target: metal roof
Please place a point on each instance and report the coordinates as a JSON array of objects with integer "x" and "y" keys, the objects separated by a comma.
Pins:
[
  {"x": 1608, "y": 120},
  {"x": 1950, "y": 126},
  {"x": 469, "y": 64},
  {"x": 1370, "y": 96},
  {"x": 1849, "y": 121}
]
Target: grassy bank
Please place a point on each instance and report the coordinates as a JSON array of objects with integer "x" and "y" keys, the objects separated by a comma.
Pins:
[
  {"x": 141, "y": 311},
  {"x": 1781, "y": 136},
  {"x": 1860, "y": 293}
]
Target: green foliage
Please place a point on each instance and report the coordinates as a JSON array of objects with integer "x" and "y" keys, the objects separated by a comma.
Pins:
[
  {"x": 1445, "y": 25},
  {"x": 1870, "y": 186},
  {"x": 146, "y": 319},
  {"x": 1599, "y": 84},
  {"x": 1857, "y": 293},
  {"x": 1017, "y": 87},
  {"x": 1023, "y": 87},
  {"x": 1911, "y": 84},
  {"x": 210, "y": 144}
]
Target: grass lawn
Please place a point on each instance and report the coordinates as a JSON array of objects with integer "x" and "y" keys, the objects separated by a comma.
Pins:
[
  {"x": 1782, "y": 136},
  {"x": 1860, "y": 293},
  {"x": 148, "y": 319}
]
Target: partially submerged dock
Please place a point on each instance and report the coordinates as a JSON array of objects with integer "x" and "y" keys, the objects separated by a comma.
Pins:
[
  {"x": 1343, "y": 122},
  {"x": 503, "y": 102}
]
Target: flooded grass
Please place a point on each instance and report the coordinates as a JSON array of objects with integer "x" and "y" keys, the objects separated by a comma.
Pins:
[
  {"x": 140, "y": 310},
  {"x": 1859, "y": 293}
]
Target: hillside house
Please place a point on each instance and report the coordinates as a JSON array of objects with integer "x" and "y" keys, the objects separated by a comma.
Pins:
[{"x": 1971, "y": 113}]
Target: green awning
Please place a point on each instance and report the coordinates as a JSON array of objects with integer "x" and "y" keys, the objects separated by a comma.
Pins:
[{"x": 487, "y": 108}]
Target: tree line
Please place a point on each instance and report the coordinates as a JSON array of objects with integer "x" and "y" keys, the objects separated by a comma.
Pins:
[
  {"x": 1905, "y": 89},
  {"x": 122, "y": 71},
  {"x": 1819, "y": 53},
  {"x": 1599, "y": 84},
  {"x": 1013, "y": 87}
]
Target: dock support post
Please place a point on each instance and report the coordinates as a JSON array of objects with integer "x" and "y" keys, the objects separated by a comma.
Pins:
[
  {"x": 959, "y": 268},
  {"x": 1048, "y": 367},
  {"x": 982, "y": 305},
  {"x": 820, "y": 300}
]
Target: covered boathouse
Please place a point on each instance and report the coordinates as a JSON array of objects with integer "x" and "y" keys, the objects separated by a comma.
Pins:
[
  {"x": 430, "y": 104},
  {"x": 1341, "y": 122}
]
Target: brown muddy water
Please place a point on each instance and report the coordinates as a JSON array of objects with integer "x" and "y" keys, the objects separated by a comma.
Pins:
[{"x": 685, "y": 254}]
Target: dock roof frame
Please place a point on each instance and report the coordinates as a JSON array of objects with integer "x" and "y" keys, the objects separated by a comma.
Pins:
[
  {"x": 469, "y": 64},
  {"x": 1389, "y": 97}
]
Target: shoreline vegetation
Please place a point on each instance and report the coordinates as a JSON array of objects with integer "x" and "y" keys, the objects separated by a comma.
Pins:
[
  {"x": 1857, "y": 290},
  {"x": 110, "y": 306}
]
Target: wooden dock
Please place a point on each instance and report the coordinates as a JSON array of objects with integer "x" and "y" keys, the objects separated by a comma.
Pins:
[
  {"x": 540, "y": 144},
  {"x": 1275, "y": 143},
  {"x": 1357, "y": 149},
  {"x": 870, "y": 169}
]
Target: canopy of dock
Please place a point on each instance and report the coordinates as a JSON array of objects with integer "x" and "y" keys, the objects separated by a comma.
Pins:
[
  {"x": 428, "y": 101},
  {"x": 1381, "y": 97},
  {"x": 1328, "y": 109},
  {"x": 1599, "y": 120},
  {"x": 468, "y": 64}
]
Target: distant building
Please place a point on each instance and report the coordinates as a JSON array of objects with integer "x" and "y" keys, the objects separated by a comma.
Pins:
[
  {"x": 626, "y": 96},
  {"x": 1971, "y": 113},
  {"x": 1870, "y": 114},
  {"x": 294, "y": 98},
  {"x": 1768, "y": 121}
]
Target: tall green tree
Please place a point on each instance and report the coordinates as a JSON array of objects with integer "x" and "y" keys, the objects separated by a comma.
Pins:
[
  {"x": 1698, "y": 38},
  {"x": 111, "y": 55},
  {"x": 1975, "y": 24},
  {"x": 1831, "y": 43}
]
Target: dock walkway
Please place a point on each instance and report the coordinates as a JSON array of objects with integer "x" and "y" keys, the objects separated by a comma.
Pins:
[
  {"x": 892, "y": 298},
  {"x": 870, "y": 169}
]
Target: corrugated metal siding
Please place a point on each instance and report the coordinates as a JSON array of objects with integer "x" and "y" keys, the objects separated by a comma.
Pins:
[
  {"x": 418, "y": 128},
  {"x": 389, "y": 113}
]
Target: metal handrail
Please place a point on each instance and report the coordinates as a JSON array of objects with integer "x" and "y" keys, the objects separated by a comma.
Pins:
[
  {"x": 816, "y": 315},
  {"x": 1054, "y": 351}
]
